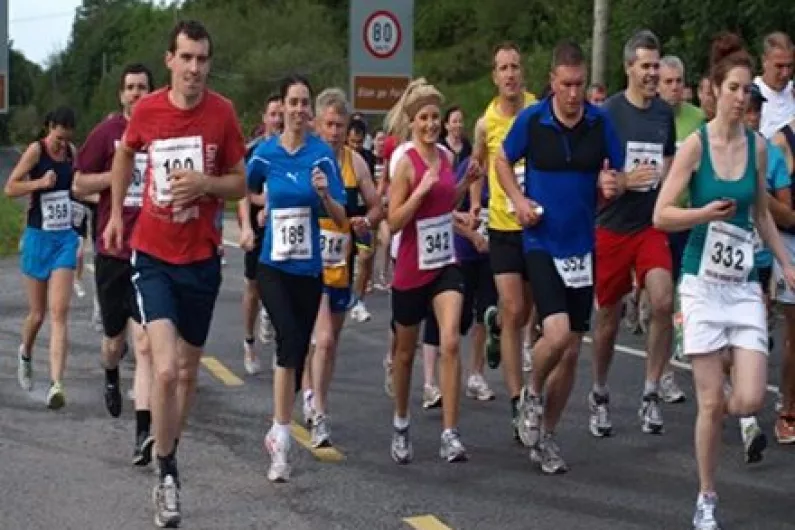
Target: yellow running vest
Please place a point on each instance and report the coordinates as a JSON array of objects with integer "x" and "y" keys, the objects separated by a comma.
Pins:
[
  {"x": 502, "y": 214},
  {"x": 335, "y": 241}
]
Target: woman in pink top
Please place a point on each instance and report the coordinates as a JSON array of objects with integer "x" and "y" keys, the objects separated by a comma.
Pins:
[{"x": 422, "y": 197}]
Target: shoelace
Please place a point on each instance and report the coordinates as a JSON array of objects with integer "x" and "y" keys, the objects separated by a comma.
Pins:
[{"x": 170, "y": 496}]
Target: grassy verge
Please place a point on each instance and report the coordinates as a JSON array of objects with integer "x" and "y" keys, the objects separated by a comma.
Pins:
[{"x": 11, "y": 220}]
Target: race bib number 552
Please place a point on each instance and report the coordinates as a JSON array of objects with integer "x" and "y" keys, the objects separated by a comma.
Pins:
[{"x": 171, "y": 155}]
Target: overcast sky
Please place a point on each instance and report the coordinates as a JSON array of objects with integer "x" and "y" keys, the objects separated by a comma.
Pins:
[{"x": 40, "y": 28}]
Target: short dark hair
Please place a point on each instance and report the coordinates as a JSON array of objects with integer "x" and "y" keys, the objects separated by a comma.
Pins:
[
  {"x": 504, "y": 46},
  {"x": 642, "y": 40},
  {"x": 273, "y": 98},
  {"x": 63, "y": 116},
  {"x": 192, "y": 29},
  {"x": 450, "y": 111},
  {"x": 136, "y": 68},
  {"x": 567, "y": 53},
  {"x": 357, "y": 126},
  {"x": 293, "y": 79}
]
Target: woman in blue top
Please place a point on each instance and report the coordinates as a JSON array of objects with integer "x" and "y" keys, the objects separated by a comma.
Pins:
[
  {"x": 299, "y": 175},
  {"x": 49, "y": 244},
  {"x": 723, "y": 165}
]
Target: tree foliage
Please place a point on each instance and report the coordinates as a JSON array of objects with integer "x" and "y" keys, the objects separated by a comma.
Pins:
[{"x": 259, "y": 41}]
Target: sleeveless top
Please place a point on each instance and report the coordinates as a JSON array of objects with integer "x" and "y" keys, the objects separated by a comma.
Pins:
[
  {"x": 790, "y": 137},
  {"x": 723, "y": 251},
  {"x": 51, "y": 210},
  {"x": 335, "y": 240},
  {"x": 427, "y": 243},
  {"x": 501, "y": 212}
]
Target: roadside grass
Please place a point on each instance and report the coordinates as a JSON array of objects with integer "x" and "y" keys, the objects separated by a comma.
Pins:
[{"x": 11, "y": 221}]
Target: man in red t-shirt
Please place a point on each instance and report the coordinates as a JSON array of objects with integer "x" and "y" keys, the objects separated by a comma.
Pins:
[
  {"x": 195, "y": 151},
  {"x": 112, "y": 269}
]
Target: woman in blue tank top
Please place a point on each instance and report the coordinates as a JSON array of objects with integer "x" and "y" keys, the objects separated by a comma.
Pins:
[
  {"x": 723, "y": 166},
  {"x": 49, "y": 244}
]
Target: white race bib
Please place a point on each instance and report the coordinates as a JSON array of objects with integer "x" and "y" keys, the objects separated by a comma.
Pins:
[
  {"x": 435, "y": 244},
  {"x": 79, "y": 213},
  {"x": 483, "y": 227},
  {"x": 135, "y": 193},
  {"x": 56, "y": 210},
  {"x": 519, "y": 171},
  {"x": 291, "y": 234},
  {"x": 728, "y": 254},
  {"x": 334, "y": 248},
  {"x": 576, "y": 271},
  {"x": 645, "y": 153},
  {"x": 171, "y": 155}
]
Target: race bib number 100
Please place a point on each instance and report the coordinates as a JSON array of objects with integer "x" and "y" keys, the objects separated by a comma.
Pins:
[
  {"x": 172, "y": 155},
  {"x": 645, "y": 154},
  {"x": 728, "y": 254},
  {"x": 291, "y": 234},
  {"x": 576, "y": 271},
  {"x": 435, "y": 242}
]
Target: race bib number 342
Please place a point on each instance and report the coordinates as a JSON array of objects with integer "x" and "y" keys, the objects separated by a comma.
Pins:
[
  {"x": 435, "y": 242},
  {"x": 172, "y": 155},
  {"x": 728, "y": 254}
]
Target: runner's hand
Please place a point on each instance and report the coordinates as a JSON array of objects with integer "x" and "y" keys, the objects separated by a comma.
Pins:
[
  {"x": 642, "y": 177},
  {"x": 788, "y": 272},
  {"x": 262, "y": 217},
  {"x": 608, "y": 181},
  {"x": 528, "y": 212},
  {"x": 360, "y": 226},
  {"x": 720, "y": 210},
  {"x": 113, "y": 236},
  {"x": 473, "y": 172},
  {"x": 247, "y": 239},
  {"x": 480, "y": 243},
  {"x": 47, "y": 181},
  {"x": 187, "y": 185},
  {"x": 430, "y": 178},
  {"x": 320, "y": 182}
]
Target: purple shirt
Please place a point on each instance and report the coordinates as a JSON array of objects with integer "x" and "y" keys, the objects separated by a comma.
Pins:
[{"x": 464, "y": 249}]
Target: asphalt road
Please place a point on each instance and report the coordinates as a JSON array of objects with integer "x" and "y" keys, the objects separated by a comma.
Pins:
[{"x": 71, "y": 470}]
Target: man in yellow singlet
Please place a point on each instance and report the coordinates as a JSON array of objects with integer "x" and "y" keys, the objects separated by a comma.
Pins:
[{"x": 505, "y": 324}]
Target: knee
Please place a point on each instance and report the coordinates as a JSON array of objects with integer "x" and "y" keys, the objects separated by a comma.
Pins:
[
  {"x": 746, "y": 403},
  {"x": 166, "y": 374},
  {"x": 449, "y": 343},
  {"x": 58, "y": 315},
  {"x": 607, "y": 321},
  {"x": 662, "y": 306},
  {"x": 325, "y": 344},
  {"x": 36, "y": 317},
  {"x": 712, "y": 408},
  {"x": 512, "y": 311}
]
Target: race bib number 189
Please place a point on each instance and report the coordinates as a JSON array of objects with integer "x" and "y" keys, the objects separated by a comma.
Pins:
[
  {"x": 728, "y": 254},
  {"x": 291, "y": 234},
  {"x": 172, "y": 155},
  {"x": 576, "y": 271}
]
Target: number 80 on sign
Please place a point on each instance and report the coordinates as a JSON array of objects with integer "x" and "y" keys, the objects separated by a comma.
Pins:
[{"x": 382, "y": 34}]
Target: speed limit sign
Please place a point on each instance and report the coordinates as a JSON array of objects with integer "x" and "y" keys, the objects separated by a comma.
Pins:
[{"x": 382, "y": 34}]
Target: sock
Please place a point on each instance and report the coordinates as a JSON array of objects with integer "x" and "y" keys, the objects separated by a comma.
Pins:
[
  {"x": 649, "y": 387},
  {"x": 249, "y": 340},
  {"x": 600, "y": 390},
  {"x": 514, "y": 406},
  {"x": 400, "y": 423},
  {"x": 747, "y": 422},
  {"x": 143, "y": 420},
  {"x": 22, "y": 354},
  {"x": 168, "y": 465},
  {"x": 308, "y": 395},
  {"x": 447, "y": 432},
  {"x": 282, "y": 432},
  {"x": 112, "y": 376}
]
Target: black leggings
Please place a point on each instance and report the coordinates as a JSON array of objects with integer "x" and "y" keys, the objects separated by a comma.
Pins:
[{"x": 292, "y": 302}]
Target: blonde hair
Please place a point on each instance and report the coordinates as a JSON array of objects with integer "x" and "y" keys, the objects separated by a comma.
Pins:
[
  {"x": 334, "y": 98},
  {"x": 417, "y": 94}
]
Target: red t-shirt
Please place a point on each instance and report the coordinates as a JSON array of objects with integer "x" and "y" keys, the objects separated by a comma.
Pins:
[
  {"x": 96, "y": 156},
  {"x": 207, "y": 139}
]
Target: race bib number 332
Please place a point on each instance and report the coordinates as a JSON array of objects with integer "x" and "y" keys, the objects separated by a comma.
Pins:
[
  {"x": 728, "y": 255},
  {"x": 172, "y": 155}
]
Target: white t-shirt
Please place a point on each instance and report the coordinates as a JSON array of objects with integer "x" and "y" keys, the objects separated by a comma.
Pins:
[{"x": 778, "y": 110}]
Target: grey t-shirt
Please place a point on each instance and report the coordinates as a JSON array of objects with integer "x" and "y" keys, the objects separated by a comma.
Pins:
[{"x": 649, "y": 136}]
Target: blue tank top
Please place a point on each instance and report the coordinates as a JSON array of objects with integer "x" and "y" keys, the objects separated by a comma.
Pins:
[{"x": 51, "y": 209}]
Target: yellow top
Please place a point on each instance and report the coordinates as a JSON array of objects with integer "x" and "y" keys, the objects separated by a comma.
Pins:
[
  {"x": 335, "y": 241},
  {"x": 502, "y": 214}
]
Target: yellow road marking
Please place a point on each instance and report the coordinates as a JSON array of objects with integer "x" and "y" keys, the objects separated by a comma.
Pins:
[
  {"x": 426, "y": 522},
  {"x": 221, "y": 372},
  {"x": 324, "y": 454}
]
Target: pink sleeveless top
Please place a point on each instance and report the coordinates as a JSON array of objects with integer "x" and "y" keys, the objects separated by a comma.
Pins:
[{"x": 426, "y": 242}]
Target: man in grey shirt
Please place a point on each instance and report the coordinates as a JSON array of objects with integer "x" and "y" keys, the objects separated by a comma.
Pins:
[{"x": 626, "y": 241}]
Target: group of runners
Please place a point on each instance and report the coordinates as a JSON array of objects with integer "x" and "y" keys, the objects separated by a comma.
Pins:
[{"x": 556, "y": 206}]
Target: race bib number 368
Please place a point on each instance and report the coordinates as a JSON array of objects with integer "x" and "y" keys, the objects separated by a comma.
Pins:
[
  {"x": 56, "y": 210},
  {"x": 728, "y": 254},
  {"x": 172, "y": 155}
]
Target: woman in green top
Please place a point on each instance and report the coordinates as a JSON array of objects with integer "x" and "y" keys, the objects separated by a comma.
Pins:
[{"x": 722, "y": 165}]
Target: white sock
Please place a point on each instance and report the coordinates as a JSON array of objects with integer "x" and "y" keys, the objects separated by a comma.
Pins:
[
  {"x": 281, "y": 431},
  {"x": 600, "y": 390},
  {"x": 649, "y": 387},
  {"x": 400, "y": 423},
  {"x": 747, "y": 422}
]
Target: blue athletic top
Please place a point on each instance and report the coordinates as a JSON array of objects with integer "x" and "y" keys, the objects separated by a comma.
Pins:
[
  {"x": 51, "y": 209},
  {"x": 291, "y": 241},
  {"x": 562, "y": 170}
]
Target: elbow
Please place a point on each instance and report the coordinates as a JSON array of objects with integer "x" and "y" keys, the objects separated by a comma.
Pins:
[
  {"x": 659, "y": 220},
  {"x": 394, "y": 225}
]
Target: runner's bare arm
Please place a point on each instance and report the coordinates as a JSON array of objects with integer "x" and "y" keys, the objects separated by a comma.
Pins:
[
  {"x": 366, "y": 187},
  {"x": 789, "y": 157},
  {"x": 667, "y": 215},
  {"x": 779, "y": 204},
  {"x": 480, "y": 155},
  {"x": 85, "y": 184},
  {"x": 763, "y": 220},
  {"x": 403, "y": 203},
  {"x": 19, "y": 183},
  {"x": 507, "y": 177},
  {"x": 242, "y": 214},
  {"x": 120, "y": 177},
  {"x": 231, "y": 185}
]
